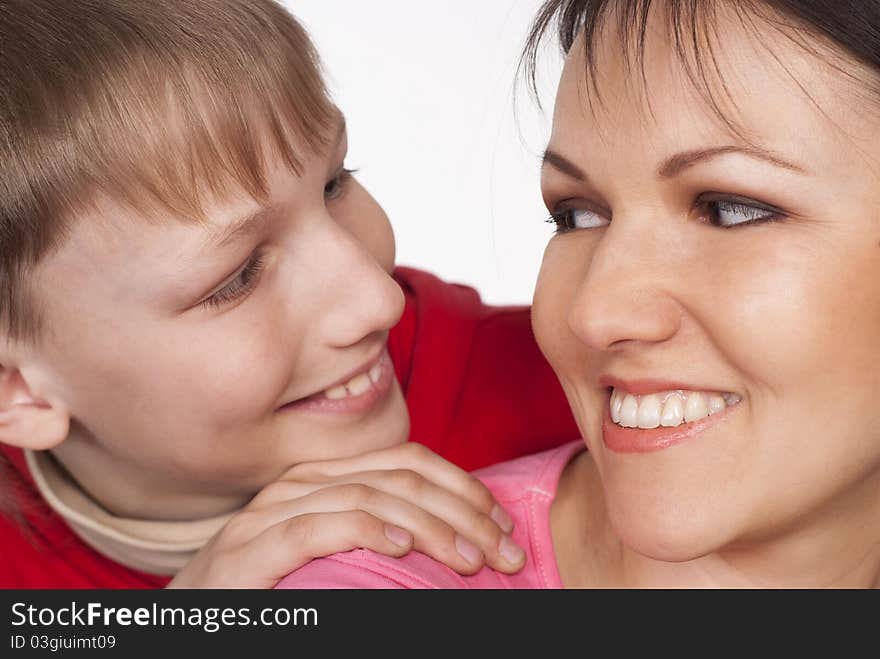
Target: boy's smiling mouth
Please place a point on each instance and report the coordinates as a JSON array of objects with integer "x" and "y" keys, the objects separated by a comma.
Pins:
[{"x": 353, "y": 394}]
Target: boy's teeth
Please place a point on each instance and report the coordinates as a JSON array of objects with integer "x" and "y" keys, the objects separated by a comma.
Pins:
[
  {"x": 335, "y": 393},
  {"x": 358, "y": 385},
  {"x": 666, "y": 408}
]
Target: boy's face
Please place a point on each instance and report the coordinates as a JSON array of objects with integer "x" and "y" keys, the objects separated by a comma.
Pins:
[{"x": 186, "y": 352}]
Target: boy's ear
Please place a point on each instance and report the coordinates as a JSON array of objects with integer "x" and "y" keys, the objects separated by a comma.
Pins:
[{"x": 26, "y": 420}]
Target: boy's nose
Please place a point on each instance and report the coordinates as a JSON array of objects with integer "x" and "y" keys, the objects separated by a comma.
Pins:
[
  {"x": 359, "y": 297},
  {"x": 625, "y": 297}
]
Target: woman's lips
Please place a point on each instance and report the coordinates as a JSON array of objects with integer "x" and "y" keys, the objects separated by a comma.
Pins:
[
  {"x": 645, "y": 440},
  {"x": 360, "y": 394}
]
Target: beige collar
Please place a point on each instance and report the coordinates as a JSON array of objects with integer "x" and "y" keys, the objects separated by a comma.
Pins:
[{"x": 151, "y": 546}]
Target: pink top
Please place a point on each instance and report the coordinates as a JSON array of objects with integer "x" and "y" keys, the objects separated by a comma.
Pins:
[{"x": 525, "y": 487}]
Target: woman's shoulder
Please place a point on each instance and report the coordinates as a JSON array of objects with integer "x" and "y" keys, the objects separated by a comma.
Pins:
[{"x": 535, "y": 475}]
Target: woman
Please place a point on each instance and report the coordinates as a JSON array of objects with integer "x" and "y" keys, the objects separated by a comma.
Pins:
[{"x": 710, "y": 303}]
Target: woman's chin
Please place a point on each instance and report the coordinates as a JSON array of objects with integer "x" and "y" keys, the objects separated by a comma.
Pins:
[{"x": 670, "y": 533}]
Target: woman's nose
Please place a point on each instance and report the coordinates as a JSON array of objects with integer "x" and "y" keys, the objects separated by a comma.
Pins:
[{"x": 625, "y": 297}]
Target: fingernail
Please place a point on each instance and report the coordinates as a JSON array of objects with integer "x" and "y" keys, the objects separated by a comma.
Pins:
[
  {"x": 501, "y": 518},
  {"x": 468, "y": 550},
  {"x": 511, "y": 551},
  {"x": 398, "y": 536}
]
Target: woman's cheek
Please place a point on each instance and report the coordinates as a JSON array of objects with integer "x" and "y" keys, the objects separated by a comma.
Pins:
[
  {"x": 559, "y": 281},
  {"x": 545, "y": 312}
]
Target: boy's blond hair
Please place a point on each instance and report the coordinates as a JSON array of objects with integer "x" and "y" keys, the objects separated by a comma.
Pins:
[{"x": 159, "y": 104}]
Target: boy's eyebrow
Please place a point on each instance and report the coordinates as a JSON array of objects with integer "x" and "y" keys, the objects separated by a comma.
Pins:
[
  {"x": 340, "y": 132},
  {"x": 253, "y": 221},
  {"x": 242, "y": 226},
  {"x": 676, "y": 164}
]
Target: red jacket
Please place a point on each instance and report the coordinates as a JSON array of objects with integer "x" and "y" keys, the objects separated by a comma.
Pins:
[{"x": 478, "y": 391}]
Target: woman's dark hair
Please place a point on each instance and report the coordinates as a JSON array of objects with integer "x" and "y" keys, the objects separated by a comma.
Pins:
[{"x": 849, "y": 27}]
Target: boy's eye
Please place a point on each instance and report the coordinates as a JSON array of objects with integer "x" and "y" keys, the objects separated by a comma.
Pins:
[
  {"x": 240, "y": 285},
  {"x": 576, "y": 218},
  {"x": 734, "y": 212},
  {"x": 336, "y": 186}
]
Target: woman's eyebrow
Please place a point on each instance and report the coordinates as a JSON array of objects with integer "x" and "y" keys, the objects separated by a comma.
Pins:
[
  {"x": 675, "y": 165},
  {"x": 563, "y": 164}
]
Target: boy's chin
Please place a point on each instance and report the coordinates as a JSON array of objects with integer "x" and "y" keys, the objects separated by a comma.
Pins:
[{"x": 385, "y": 426}]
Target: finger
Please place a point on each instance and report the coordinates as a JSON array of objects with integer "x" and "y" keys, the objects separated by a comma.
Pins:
[
  {"x": 432, "y": 535},
  {"x": 479, "y": 536},
  {"x": 279, "y": 491},
  {"x": 480, "y": 540},
  {"x": 293, "y": 542},
  {"x": 412, "y": 457}
]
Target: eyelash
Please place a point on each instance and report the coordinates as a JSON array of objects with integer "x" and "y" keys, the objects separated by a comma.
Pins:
[
  {"x": 243, "y": 283},
  {"x": 246, "y": 279},
  {"x": 564, "y": 222},
  {"x": 336, "y": 186},
  {"x": 768, "y": 214}
]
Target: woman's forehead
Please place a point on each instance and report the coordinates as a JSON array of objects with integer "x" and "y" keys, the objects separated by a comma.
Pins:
[{"x": 747, "y": 92}]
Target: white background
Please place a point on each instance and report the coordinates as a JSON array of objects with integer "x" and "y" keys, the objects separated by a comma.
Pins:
[{"x": 428, "y": 93}]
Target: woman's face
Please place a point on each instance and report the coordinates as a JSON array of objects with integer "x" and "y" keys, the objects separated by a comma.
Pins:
[
  {"x": 772, "y": 324},
  {"x": 210, "y": 358}
]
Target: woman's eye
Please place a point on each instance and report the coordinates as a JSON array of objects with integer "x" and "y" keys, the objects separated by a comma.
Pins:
[
  {"x": 336, "y": 186},
  {"x": 242, "y": 284},
  {"x": 727, "y": 213},
  {"x": 577, "y": 218}
]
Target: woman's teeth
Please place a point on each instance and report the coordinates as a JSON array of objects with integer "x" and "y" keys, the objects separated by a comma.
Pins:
[
  {"x": 667, "y": 408},
  {"x": 358, "y": 385}
]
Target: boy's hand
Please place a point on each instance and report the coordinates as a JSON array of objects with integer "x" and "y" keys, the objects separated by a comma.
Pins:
[{"x": 389, "y": 501}]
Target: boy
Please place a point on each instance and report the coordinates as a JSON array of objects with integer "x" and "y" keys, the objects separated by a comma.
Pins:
[{"x": 197, "y": 303}]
